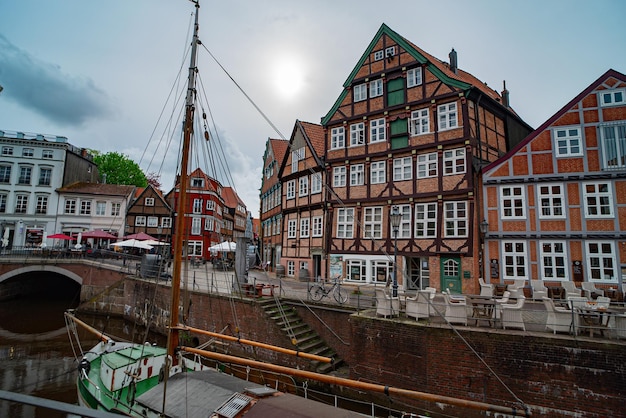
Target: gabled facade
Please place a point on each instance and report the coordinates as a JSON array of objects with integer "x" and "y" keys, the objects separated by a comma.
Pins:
[
  {"x": 411, "y": 131},
  {"x": 271, "y": 203},
  {"x": 303, "y": 206},
  {"x": 556, "y": 204},
  {"x": 90, "y": 206},
  {"x": 237, "y": 211},
  {"x": 149, "y": 212},
  {"x": 32, "y": 168},
  {"x": 204, "y": 213}
]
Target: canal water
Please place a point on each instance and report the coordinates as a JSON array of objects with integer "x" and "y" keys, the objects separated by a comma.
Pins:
[{"x": 36, "y": 356}]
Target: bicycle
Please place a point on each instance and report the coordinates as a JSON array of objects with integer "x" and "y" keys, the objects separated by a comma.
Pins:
[{"x": 319, "y": 291}]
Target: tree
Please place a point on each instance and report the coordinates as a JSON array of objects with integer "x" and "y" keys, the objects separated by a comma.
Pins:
[{"x": 119, "y": 169}]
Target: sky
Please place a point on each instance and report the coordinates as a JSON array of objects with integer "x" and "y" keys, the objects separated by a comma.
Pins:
[{"x": 100, "y": 72}]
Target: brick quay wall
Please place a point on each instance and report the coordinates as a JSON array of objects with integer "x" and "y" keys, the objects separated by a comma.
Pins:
[{"x": 557, "y": 376}]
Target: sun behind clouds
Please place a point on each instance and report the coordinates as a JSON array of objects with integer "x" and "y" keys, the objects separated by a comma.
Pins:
[{"x": 288, "y": 76}]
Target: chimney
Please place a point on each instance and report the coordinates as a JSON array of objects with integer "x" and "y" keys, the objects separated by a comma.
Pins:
[
  {"x": 453, "y": 63},
  {"x": 505, "y": 95}
]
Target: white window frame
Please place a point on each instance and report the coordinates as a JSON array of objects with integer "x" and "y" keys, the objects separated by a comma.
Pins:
[
  {"x": 601, "y": 261},
  {"x": 551, "y": 200},
  {"x": 26, "y": 175},
  {"x": 455, "y": 217},
  {"x": 357, "y": 134},
  {"x": 613, "y": 145},
  {"x": 360, "y": 92},
  {"x": 47, "y": 154},
  {"x": 598, "y": 199},
  {"x": 149, "y": 201},
  {"x": 7, "y": 151},
  {"x": 338, "y": 137},
  {"x": 303, "y": 186},
  {"x": 21, "y": 203},
  {"x": 70, "y": 206},
  {"x": 305, "y": 227},
  {"x": 291, "y": 189},
  {"x": 291, "y": 268},
  {"x": 316, "y": 183},
  {"x": 615, "y": 97},
  {"x": 28, "y": 152},
  {"x": 196, "y": 226},
  {"x": 378, "y": 130},
  {"x": 454, "y": 162},
  {"x": 41, "y": 207},
  {"x": 554, "y": 262},
  {"x": 414, "y": 77},
  {"x": 345, "y": 223},
  {"x": 357, "y": 175},
  {"x": 297, "y": 156},
  {"x": 426, "y": 165},
  {"x": 209, "y": 224},
  {"x": 402, "y": 168},
  {"x": 152, "y": 222},
  {"x": 419, "y": 123},
  {"x": 116, "y": 208},
  {"x": 45, "y": 176},
  {"x": 378, "y": 55},
  {"x": 166, "y": 222},
  {"x": 292, "y": 226},
  {"x": 140, "y": 220},
  {"x": 567, "y": 141},
  {"x": 447, "y": 116},
  {"x": 339, "y": 176},
  {"x": 356, "y": 267},
  {"x": 101, "y": 208},
  {"x": 210, "y": 204},
  {"x": 378, "y": 173},
  {"x": 512, "y": 202},
  {"x": 85, "y": 207},
  {"x": 425, "y": 220},
  {"x": 376, "y": 88},
  {"x": 514, "y": 260},
  {"x": 390, "y": 51},
  {"x": 406, "y": 224},
  {"x": 197, "y": 206},
  {"x": 373, "y": 222},
  {"x": 317, "y": 226}
]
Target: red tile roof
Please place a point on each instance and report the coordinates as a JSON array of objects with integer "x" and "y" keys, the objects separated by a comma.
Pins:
[
  {"x": 98, "y": 189},
  {"x": 315, "y": 133}
]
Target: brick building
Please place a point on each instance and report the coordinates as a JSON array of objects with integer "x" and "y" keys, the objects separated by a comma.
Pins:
[
  {"x": 270, "y": 236},
  {"x": 556, "y": 203},
  {"x": 411, "y": 131},
  {"x": 303, "y": 206}
]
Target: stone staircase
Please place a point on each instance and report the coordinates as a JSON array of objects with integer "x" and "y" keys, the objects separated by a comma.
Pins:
[{"x": 307, "y": 340}]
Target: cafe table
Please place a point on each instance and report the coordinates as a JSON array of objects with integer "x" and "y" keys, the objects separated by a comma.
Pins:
[{"x": 483, "y": 309}]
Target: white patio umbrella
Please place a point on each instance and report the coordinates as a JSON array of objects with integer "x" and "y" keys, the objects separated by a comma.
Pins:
[
  {"x": 44, "y": 240},
  {"x": 133, "y": 243},
  {"x": 5, "y": 237},
  {"x": 226, "y": 246}
]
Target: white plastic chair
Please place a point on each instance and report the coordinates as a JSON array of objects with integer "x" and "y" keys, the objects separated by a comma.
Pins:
[
  {"x": 512, "y": 314},
  {"x": 386, "y": 305},
  {"x": 501, "y": 302},
  {"x": 590, "y": 288},
  {"x": 418, "y": 307},
  {"x": 570, "y": 289},
  {"x": 486, "y": 289},
  {"x": 539, "y": 289},
  {"x": 603, "y": 302},
  {"x": 559, "y": 319},
  {"x": 517, "y": 288},
  {"x": 456, "y": 309}
]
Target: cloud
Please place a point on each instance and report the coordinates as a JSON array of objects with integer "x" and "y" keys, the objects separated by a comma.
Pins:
[{"x": 44, "y": 89}]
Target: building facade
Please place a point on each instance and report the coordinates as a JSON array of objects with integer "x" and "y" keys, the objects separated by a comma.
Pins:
[
  {"x": 271, "y": 203},
  {"x": 303, "y": 207},
  {"x": 32, "y": 168},
  {"x": 556, "y": 203},
  {"x": 411, "y": 131},
  {"x": 150, "y": 213},
  {"x": 204, "y": 213}
]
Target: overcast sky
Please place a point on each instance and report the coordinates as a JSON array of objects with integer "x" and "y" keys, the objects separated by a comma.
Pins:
[{"x": 99, "y": 72}]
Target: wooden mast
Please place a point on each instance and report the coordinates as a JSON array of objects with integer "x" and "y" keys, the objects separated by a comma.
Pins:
[{"x": 181, "y": 203}]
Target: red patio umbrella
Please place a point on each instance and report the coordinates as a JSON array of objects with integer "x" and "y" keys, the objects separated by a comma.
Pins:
[
  {"x": 141, "y": 236},
  {"x": 61, "y": 236},
  {"x": 98, "y": 234}
]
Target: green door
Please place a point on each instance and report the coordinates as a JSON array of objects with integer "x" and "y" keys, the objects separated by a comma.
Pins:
[{"x": 451, "y": 274}]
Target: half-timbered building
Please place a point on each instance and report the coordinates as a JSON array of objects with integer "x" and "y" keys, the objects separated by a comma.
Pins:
[
  {"x": 556, "y": 203},
  {"x": 303, "y": 210},
  {"x": 411, "y": 131}
]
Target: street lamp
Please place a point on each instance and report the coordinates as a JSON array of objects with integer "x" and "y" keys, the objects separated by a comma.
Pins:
[
  {"x": 484, "y": 228},
  {"x": 395, "y": 217}
]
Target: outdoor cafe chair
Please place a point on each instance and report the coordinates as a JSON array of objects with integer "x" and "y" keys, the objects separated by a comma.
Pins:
[
  {"x": 590, "y": 290},
  {"x": 456, "y": 309},
  {"x": 512, "y": 314},
  {"x": 418, "y": 307},
  {"x": 386, "y": 305},
  {"x": 559, "y": 319}
]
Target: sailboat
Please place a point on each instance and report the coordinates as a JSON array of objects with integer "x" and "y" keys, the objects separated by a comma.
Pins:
[{"x": 145, "y": 380}]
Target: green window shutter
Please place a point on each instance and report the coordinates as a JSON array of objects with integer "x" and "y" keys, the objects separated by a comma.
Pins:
[
  {"x": 399, "y": 134},
  {"x": 395, "y": 92}
]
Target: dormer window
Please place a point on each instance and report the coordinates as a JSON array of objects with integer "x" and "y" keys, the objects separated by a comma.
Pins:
[{"x": 197, "y": 182}]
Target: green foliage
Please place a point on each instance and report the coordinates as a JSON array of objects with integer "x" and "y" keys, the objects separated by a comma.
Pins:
[{"x": 119, "y": 169}]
